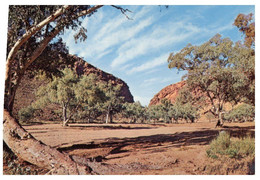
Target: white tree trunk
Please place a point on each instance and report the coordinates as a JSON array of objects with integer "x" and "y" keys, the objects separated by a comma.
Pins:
[{"x": 26, "y": 147}]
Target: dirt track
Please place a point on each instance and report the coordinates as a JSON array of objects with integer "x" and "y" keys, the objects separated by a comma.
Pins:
[{"x": 137, "y": 149}]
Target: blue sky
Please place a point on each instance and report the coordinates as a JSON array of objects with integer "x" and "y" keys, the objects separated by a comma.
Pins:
[{"x": 136, "y": 50}]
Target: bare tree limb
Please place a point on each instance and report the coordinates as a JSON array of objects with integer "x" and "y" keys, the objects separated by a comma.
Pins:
[{"x": 123, "y": 11}]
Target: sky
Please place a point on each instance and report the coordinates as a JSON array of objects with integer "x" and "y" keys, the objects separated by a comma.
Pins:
[{"x": 136, "y": 50}]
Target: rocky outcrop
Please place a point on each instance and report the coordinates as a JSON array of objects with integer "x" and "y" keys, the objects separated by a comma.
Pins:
[{"x": 169, "y": 92}]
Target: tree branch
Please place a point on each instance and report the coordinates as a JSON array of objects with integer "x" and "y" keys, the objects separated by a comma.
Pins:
[
  {"x": 123, "y": 11},
  {"x": 29, "y": 34},
  {"x": 88, "y": 11}
]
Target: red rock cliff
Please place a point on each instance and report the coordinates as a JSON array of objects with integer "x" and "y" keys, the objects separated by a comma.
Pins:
[{"x": 169, "y": 92}]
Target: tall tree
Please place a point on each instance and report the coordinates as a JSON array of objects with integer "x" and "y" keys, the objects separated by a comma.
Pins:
[
  {"x": 30, "y": 30},
  {"x": 60, "y": 91},
  {"x": 212, "y": 68},
  {"x": 155, "y": 112},
  {"x": 113, "y": 101},
  {"x": 90, "y": 96}
]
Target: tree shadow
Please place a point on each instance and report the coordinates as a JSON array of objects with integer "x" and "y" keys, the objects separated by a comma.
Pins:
[
  {"x": 182, "y": 139},
  {"x": 111, "y": 127}
]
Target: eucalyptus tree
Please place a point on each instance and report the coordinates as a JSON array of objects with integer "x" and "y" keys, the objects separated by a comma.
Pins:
[
  {"x": 214, "y": 68},
  {"x": 165, "y": 108},
  {"x": 113, "y": 100},
  {"x": 155, "y": 112},
  {"x": 245, "y": 57},
  {"x": 29, "y": 33},
  {"x": 242, "y": 112},
  {"x": 186, "y": 105},
  {"x": 89, "y": 96},
  {"x": 30, "y": 30},
  {"x": 134, "y": 111},
  {"x": 60, "y": 91}
]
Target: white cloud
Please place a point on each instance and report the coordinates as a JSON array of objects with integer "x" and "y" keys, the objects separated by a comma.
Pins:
[
  {"x": 115, "y": 30},
  {"x": 106, "y": 41},
  {"x": 150, "y": 64},
  {"x": 160, "y": 37}
]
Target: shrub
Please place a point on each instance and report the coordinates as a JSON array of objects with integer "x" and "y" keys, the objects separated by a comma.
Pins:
[
  {"x": 245, "y": 147},
  {"x": 242, "y": 112},
  {"x": 26, "y": 113},
  {"x": 223, "y": 145}
]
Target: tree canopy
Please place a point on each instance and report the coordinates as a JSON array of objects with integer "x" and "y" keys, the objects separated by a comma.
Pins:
[{"x": 220, "y": 69}]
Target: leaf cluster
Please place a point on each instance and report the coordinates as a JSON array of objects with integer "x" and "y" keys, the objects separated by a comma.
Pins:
[{"x": 246, "y": 25}]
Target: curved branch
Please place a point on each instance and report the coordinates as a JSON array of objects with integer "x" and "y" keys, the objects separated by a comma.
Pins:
[{"x": 29, "y": 34}]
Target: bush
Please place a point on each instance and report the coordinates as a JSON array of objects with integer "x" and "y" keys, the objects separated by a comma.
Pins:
[
  {"x": 235, "y": 148},
  {"x": 26, "y": 113},
  {"x": 243, "y": 112}
]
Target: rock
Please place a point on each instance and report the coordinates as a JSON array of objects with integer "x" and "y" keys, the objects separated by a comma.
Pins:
[{"x": 169, "y": 92}]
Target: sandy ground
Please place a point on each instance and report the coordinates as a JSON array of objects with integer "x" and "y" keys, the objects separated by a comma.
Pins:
[{"x": 135, "y": 148}]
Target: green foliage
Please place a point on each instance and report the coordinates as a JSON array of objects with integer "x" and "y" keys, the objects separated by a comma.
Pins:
[
  {"x": 113, "y": 100},
  {"x": 26, "y": 113},
  {"x": 60, "y": 91},
  {"x": 181, "y": 109},
  {"x": 242, "y": 112},
  {"x": 84, "y": 97},
  {"x": 134, "y": 111},
  {"x": 154, "y": 112},
  {"x": 187, "y": 112},
  {"x": 89, "y": 96},
  {"x": 223, "y": 145},
  {"x": 218, "y": 68}
]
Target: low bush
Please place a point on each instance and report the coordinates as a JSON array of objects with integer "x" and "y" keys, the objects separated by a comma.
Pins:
[
  {"x": 241, "y": 113},
  {"x": 223, "y": 145},
  {"x": 26, "y": 113}
]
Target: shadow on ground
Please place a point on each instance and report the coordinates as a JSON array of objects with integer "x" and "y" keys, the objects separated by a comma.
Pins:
[
  {"x": 110, "y": 127},
  {"x": 201, "y": 137}
]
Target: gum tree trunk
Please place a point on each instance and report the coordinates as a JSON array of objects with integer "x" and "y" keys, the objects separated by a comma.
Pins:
[
  {"x": 26, "y": 147},
  {"x": 65, "y": 118}
]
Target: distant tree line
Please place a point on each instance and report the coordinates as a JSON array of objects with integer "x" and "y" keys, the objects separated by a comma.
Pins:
[{"x": 87, "y": 98}]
